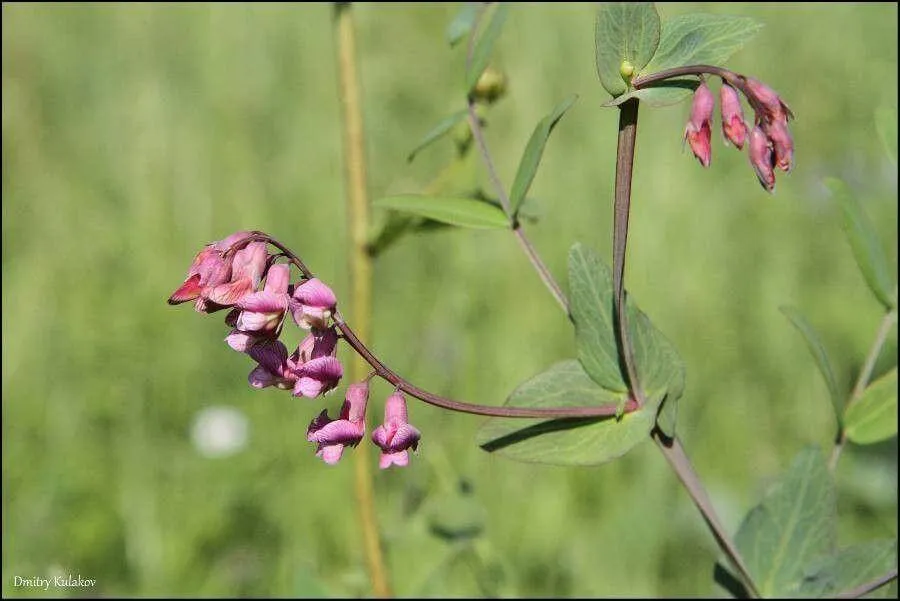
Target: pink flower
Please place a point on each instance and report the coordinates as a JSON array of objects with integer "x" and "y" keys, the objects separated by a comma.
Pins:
[
  {"x": 395, "y": 435},
  {"x": 318, "y": 343},
  {"x": 209, "y": 269},
  {"x": 247, "y": 269},
  {"x": 782, "y": 143},
  {"x": 774, "y": 109},
  {"x": 317, "y": 376},
  {"x": 697, "y": 131},
  {"x": 332, "y": 436},
  {"x": 733, "y": 125},
  {"x": 312, "y": 304},
  {"x": 262, "y": 313},
  {"x": 275, "y": 367},
  {"x": 761, "y": 158}
]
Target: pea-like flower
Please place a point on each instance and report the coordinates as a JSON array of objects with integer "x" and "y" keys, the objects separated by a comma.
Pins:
[
  {"x": 395, "y": 436},
  {"x": 312, "y": 304},
  {"x": 209, "y": 269},
  {"x": 697, "y": 132},
  {"x": 261, "y": 313},
  {"x": 332, "y": 436}
]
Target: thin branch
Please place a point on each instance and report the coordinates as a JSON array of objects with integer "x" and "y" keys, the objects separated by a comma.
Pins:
[{"x": 890, "y": 318}]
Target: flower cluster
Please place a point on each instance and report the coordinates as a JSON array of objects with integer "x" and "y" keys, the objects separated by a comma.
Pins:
[
  {"x": 227, "y": 275},
  {"x": 770, "y": 142}
]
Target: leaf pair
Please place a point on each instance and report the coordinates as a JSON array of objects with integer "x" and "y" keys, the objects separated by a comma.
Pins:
[
  {"x": 631, "y": 32},
  {"x": 595, "y": 379}
]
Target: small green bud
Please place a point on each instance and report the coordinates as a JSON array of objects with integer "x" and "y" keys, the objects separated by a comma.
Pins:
[
  {"x": 491, "y": 86},
  {"x": 626, "y": 70}
]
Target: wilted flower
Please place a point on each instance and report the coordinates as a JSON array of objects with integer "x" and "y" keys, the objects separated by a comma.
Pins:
[
  {"x": 697, "y": 131},
  {"x": 247, "y": 269},
  {"x": 209, "y": 269},
  {"x": 733, "y": 125},
  {"x": 332, "y": 436},
  {"x": 395, "y": 435},
  {"x": 761, "y": 158},
  {"x": 312, "y": 304}
]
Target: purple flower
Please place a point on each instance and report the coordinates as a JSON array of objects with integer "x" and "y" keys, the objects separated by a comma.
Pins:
[
  {"x": 275, "y": 367},
  {"x": 761, "y": 158},
  {"x": 312, "y": 304},
  {"x": 317, "y": 376},
  {"x": 697, "y": 131},
  {"x": 733, "y": 125},
  {"x": 395, "y": 435},
  {"x": 332, "y": 436}
]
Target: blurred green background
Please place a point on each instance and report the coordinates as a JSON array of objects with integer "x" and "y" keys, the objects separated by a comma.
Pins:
[{"x": 132, "y": 135}]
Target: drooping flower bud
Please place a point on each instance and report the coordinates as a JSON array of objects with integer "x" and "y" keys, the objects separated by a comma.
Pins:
[
  {"x": 761, "y": 158},
  {"x": 782, "y": 143},
  {"x": 395, "y": 436},
  {"x": 733, "y": 125},
  {"x": 332, "y": 436},
  {"x": 774, "y": 108},
  {"x": 697, "y": 131}
]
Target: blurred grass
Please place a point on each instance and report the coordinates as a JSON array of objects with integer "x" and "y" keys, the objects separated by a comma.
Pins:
[{"x": 134, "y": 134}]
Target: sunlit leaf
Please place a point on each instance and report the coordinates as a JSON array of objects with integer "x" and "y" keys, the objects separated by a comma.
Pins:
[
  {"x": 534, "y": 150},
  {"x": 465, "y": 212},
  {"x": 817, "y": 350},
  {"x": 867, "y": 249},
  {"x": 700, "y": 39},
  {"x": 873, "y": 416},
  {"x": 624, "y": 31},
  {"x": 791, "y": 527}
]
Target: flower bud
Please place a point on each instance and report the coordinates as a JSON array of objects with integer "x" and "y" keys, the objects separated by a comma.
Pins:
[
  {"x": 733, "y": 125},
  {"x": 783, "y": 144},
  {"x": 491, "y": 86},
  {"x": 761, "y": 158},
  {"x": 774, "y": 108},
  {"x": 697, "y": 131}
]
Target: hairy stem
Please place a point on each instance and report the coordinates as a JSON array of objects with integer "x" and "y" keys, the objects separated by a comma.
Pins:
[
  {"x": 890, "y": 318},
  {"x": 628, "y": 114},
  {"x": 360, "y": 275}
]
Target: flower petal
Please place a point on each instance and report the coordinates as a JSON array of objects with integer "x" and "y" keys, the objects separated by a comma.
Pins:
[
  {"x": 188, "y": 291},
  {"x": 331, "y": 454},
  {"x": 278, "y": 278},
  {"x": 314, "y": 293},
  {"x": 400, "y": 459}
]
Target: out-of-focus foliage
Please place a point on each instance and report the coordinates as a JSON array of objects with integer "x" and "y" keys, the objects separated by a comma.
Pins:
[{"x": 133, "y": 134}]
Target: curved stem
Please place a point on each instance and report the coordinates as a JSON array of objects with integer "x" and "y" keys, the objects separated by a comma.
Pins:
[
  {"x": 890, "y": 318},
  {"x": 360, "y": 276}
]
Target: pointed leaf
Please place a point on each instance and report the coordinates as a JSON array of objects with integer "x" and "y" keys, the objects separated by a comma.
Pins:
[
  {"x": 583, "y": 441},
  {"x": 570, "y": 383},
  {"x": 465, "y": 212},
  {"x": 481, "y": 55},
  {"x": 817, "y": 350},
  {"x": 700, "y": 39},
  {"x": 531, "y": 158},
  {"x": 873, "y": 417},
  {"x": 866, "y": 246},
  {"x": 886, "y": 122},
  {"x": 829, "y": 576},
  {"x": 462, "y": 23},
  {"x": 624, "y": 31},
  {"x": 437, "y": 132},
  {"x": 792, "y": 526}
]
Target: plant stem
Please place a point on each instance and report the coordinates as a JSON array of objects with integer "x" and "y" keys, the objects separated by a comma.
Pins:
[
  {"x": 865, "y": 589},
  {"x": 681, "y": 465},
  {"x": 628, "y": 114},
  {"x": 890, "y": 318},
  {"x": 503, "y": 197},
  {"x": 360, "y": 275}
]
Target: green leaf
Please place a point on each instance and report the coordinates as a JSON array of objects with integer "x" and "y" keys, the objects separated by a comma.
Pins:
[
  {"x": 886, "y": 122},
  {"x": 462, "y": 23},
  {"x": 465, "y": 212},
  {"x": 700, "y": 39},
  {"x": 829, "y": 576},
  {"x": 664, "y": 93},
  {"x": 794, "y": 525},
  {"x": 481, "y": 55},
  {"x": 624, "y": 31},
  {"x": 531, "y": 158},
  {"x": 573, "y": 441},
  {"x": 437, "y": 132},
  {"x": 817, "y": 350},
  {"x": 873, "y": 417},
  {"x": 866, "y": 246},
  {"x": 572, "y": 384}
]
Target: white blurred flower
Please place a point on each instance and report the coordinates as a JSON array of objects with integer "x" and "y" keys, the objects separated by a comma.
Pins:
[{"x": 219, "y": 431}]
